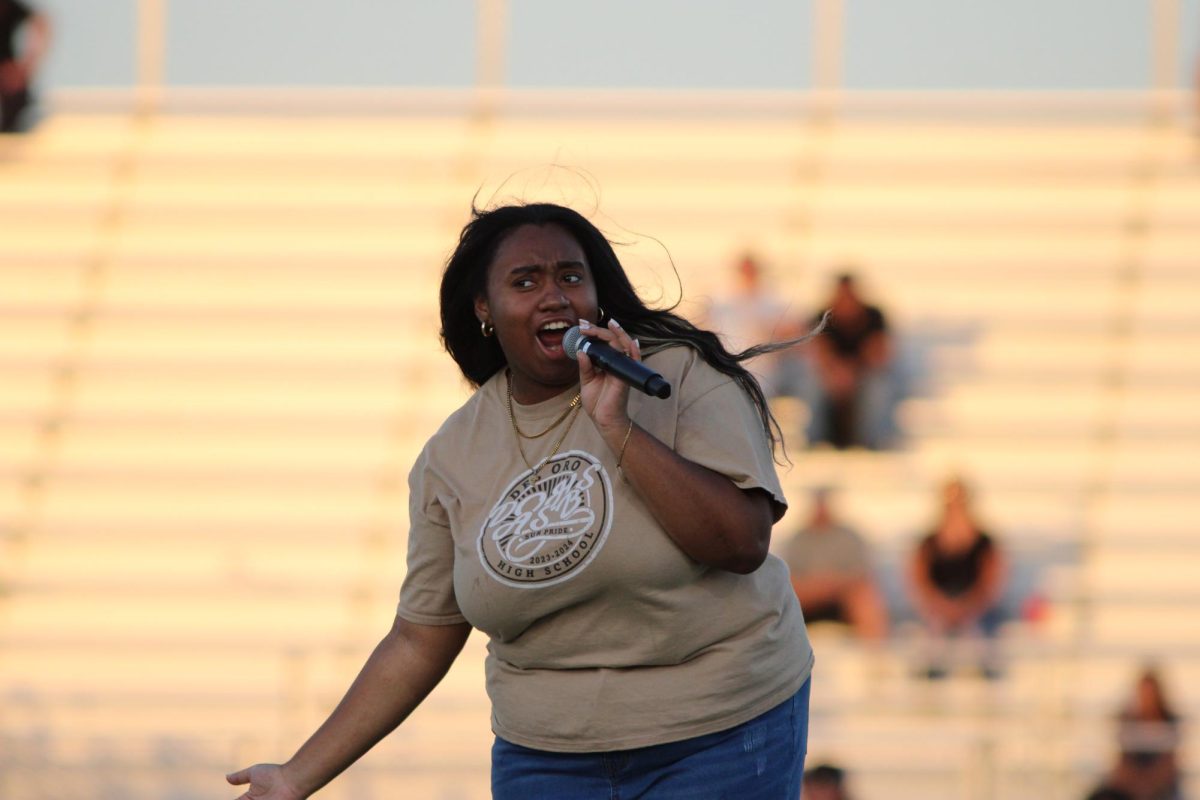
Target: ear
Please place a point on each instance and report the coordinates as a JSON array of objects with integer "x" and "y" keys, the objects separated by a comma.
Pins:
[{"x": 482, "y": 312}]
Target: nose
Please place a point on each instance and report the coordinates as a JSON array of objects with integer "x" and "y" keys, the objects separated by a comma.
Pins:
[{"x": 552, "y": 298}]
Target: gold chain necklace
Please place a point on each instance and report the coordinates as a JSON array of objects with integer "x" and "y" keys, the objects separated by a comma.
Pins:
[
  {"x": 553, "y": 425},
  {"x": 572, "y": 410}
]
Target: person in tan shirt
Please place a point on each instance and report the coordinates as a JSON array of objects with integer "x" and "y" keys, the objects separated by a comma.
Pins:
[
  {"x": 833, "y": 574},
  {"x": 612, "y": 546}
]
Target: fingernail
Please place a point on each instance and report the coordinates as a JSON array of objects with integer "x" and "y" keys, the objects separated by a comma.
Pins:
[
  {"x": 583, "y": 323},
  {"x": 637, "y": 344},
  {"x": 614, "y": 323}
]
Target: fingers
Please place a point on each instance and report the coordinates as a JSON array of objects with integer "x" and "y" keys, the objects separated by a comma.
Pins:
[
  {"x": 614, "y": 336},
  {"x": 622, "y": 340},
  {"x": 587, "y": 372}
]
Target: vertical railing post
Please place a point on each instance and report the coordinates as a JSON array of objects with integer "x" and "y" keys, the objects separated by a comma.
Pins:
[
  {"x": 828, "y": 48},
  {"x": 1165, "y": 56},
  {"x": 151, "y": 54},
  {"x": 491, "y": 52}
]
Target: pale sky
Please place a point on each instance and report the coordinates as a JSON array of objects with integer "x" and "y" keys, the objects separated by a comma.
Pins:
[{"x": 889, "y": 44}]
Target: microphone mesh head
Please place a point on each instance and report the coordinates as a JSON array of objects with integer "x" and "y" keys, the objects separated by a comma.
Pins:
[{"x": 571, "y": 342}]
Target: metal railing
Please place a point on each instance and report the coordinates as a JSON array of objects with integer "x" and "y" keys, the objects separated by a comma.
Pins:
[{"x": 827, "y": 46}]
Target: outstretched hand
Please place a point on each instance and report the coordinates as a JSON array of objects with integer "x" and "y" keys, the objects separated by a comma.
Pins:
[
  {"x": 267, "y": 782},
  {"x": 605, "y": 397}
]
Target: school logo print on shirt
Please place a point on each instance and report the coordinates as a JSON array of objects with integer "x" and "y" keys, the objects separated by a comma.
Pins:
[{"x": 545, "y": 531}]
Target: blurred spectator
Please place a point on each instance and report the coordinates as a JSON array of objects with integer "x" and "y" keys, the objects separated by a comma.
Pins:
[
  {"x": 752, "y": 314},
  {"x": 833, "y": 575},
  {"x": 956, "y": 576},
  {"x": 850, "y": 387},
  {"x": 1196, "y": 97},
  {"x": 1108, "y": 793},
  {"x": 1148, "y": 734},
  {"x": 824, "y": 782},
  {"x": 24, "y": 38}
]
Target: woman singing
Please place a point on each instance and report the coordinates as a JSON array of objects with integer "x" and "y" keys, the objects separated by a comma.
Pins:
[{"x": 612, "y": 546}]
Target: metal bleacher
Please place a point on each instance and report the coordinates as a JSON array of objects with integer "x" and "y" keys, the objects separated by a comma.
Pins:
[{"x": 219, "y": 357}]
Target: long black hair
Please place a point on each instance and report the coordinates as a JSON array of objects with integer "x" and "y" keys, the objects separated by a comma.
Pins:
[{"x": 480, "y": 357}]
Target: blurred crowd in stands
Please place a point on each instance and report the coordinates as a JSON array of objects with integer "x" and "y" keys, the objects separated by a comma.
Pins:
[
  {"x": 846, "y": 376},
  {"x": 955, "y": 574}
]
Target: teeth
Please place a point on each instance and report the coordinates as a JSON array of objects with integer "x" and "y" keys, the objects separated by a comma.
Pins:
[{"x": 555, "y": 326}]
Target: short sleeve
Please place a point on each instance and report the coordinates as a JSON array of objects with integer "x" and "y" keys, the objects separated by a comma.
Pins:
[
  {"x": 427, "y": 594},
  {"x": 721, "y": 429}
]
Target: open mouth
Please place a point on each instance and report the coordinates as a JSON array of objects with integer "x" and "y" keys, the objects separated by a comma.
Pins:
[{"x": 551, "y": 335}]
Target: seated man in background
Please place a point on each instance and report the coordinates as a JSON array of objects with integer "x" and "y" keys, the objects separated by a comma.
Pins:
[
  {"x": 833, "y": 575},
  {"x": 850, "y": 387}
]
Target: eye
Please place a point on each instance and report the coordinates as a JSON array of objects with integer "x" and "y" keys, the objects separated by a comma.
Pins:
[
  {"x": 523, "y": 283},
  {"x": 573, "y": 278}
]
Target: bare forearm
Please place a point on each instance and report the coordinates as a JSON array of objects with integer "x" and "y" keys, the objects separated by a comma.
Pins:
[
  {"x": 928, "y": 601},
  {"x": 878, "y": 351},
  {"x": 706, "y": 515},
  {"x": 819, "y": 589},
  {"x": 399, "y": 674},
  {"x": 988, "y": 590}
]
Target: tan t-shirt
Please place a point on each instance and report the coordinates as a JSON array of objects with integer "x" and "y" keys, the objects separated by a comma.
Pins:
[{"x": 603, "y": 634}]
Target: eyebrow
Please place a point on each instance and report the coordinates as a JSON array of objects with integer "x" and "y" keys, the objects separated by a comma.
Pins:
[{"x": 528, "y": 268}]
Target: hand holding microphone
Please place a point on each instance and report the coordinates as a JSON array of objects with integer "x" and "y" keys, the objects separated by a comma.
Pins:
[{"x": 615, "y": 363}]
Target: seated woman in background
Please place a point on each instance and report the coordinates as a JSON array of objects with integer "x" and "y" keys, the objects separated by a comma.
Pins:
[
  {"x": 956, "y": 577},
  {"x": 1148, "y": 734}
]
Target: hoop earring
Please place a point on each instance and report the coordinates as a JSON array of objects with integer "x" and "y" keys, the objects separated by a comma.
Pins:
[
  {"x": 486, "y": 328},
  {"x": 600, "y": 311}
]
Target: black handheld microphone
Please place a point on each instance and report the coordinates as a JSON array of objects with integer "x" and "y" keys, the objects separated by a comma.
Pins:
[{"x": 615, "y": 363}]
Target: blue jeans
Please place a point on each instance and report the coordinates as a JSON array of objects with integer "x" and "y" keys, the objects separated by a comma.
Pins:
[{"x": 762, "y": 759}]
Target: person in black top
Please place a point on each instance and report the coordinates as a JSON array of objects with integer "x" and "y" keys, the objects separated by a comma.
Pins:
[
  {"x": 956, "y": 578},
  {"x": 19, "y": 65},
  {"x": 849, "y": 388},
  {"x": 1106, "y": 792},
  {"x": 1148, "y": 737},
  {"x": 825, "y": 782}
]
